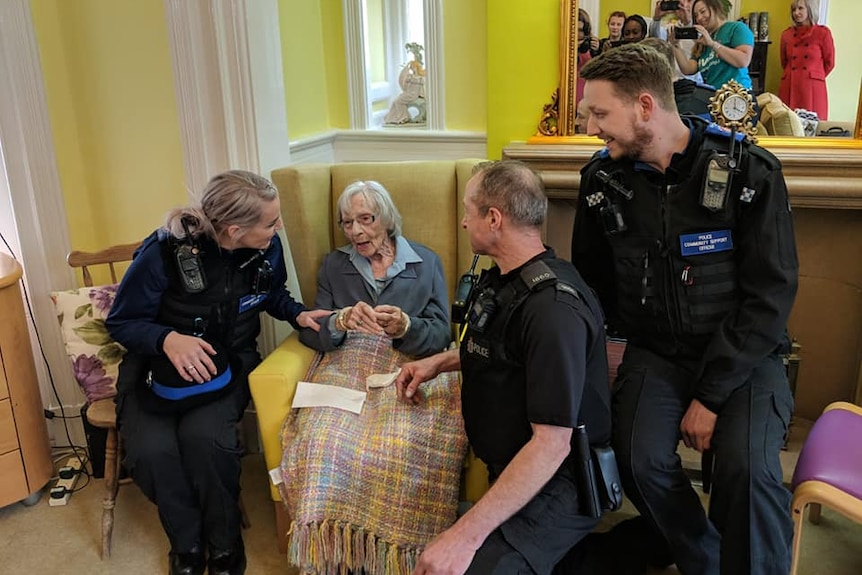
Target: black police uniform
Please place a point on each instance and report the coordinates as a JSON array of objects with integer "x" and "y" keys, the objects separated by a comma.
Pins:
[
  {"x": 533, "y": 356},
  {"x": 703, "y": 295},
  {"x": 185, "y": 455}
]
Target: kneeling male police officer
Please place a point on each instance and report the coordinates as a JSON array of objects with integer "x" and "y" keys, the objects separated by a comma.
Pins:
[{"x": 534, "y": 367}]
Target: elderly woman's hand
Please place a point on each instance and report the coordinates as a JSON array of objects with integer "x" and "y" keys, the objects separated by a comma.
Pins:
[
  {"x": 360, "y": 317},
  {"x": 394, "y": 322}
]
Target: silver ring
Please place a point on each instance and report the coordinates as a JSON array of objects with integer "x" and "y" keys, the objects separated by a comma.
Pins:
[{"x": 190, "y": 367}]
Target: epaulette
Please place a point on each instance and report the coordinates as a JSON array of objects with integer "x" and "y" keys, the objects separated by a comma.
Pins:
[
  {"x": 539, "y": 273},
  {"x": 599, "y": 156},
  {"x": 766, "y": 156}
]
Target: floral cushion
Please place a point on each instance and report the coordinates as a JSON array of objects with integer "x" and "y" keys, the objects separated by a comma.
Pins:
[{"x": 94, "y": 355}]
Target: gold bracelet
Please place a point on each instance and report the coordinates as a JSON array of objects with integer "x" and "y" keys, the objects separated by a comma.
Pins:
[
  {"x": 339, "y": 319},
  {"x": 404, "y": 331}
]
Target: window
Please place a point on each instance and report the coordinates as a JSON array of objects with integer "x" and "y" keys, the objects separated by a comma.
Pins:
[{"x": 377, "y": 34}]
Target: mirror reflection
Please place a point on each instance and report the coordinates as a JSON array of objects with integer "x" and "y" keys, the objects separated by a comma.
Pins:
[{"x": 764, "y": 22}]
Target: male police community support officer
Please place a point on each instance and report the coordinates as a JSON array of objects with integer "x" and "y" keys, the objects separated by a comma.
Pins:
[
  {"x": 692, "y": 254},
  {"x": 534, "y": 366}
]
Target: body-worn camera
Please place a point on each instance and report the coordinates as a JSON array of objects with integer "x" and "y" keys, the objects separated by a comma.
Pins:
[
  {"x": 686, "y": 33},
  {"x": 669, "y": 5},
  {"x": 610, "y": 213},
  {"x": 482, "y": 310}
]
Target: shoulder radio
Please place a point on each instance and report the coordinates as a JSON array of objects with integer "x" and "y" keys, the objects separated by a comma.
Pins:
[{"x": 189, "y": 265}]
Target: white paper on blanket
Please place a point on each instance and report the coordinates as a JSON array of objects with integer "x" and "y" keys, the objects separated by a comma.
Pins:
[
  {"x": 317, "y": 395},
  {"x": 380, "y": 379}
]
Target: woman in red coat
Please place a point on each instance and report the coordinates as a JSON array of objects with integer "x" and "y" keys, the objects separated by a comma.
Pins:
[{"x": 807, "y": 57}]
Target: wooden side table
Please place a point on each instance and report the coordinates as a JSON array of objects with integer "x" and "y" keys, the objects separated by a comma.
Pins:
[{"x": 25, "y": 453}]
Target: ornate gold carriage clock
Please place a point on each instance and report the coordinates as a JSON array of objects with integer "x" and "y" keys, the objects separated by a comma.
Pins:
[{"x": 732, "y": 107}]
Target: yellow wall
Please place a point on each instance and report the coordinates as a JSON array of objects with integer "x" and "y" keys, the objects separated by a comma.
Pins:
[
  {"x": 466, "y": 62},
  {"x": 523, "y": 67},
  {"x": 113, "y": 112},
  {"x": 844, "y": 81},
  {"x": 336, "y": 64},
  {"x": 304, "y": 64}
]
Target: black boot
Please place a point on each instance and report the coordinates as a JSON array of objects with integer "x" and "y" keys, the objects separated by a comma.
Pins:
[
  {"x": 228, "y": 562},
  {"x": 188, "y": 563}
]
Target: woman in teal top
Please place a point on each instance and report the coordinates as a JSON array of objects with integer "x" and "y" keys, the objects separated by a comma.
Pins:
[{"x": 724, "y": 49}]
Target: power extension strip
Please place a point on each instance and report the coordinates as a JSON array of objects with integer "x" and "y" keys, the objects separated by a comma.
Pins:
[{"x": 62, "y": 490}]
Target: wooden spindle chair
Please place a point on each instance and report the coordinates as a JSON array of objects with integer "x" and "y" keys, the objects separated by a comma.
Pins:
[{"x": 102, "y": 413}]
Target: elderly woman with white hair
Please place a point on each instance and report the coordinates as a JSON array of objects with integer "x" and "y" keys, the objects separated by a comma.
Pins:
[
  {"x": 380, "y": 283},
  {"x": 366, "y": 491}
]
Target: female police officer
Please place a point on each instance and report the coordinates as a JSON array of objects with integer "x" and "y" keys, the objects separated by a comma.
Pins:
[{"x": 187, "y": 311}]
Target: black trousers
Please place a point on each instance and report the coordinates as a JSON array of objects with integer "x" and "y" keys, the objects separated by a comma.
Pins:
[
  {"x": 538, "y": 536},
  {"x": 749, "y": 528},
  {"x": 188, "y": 464}
]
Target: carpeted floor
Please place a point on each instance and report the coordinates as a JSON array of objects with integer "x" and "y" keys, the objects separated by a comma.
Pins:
[{"x": 50, "y": 540}]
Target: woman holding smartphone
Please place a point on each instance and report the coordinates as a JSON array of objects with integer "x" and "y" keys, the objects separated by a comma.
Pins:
[{"x": 723, "y": 50}]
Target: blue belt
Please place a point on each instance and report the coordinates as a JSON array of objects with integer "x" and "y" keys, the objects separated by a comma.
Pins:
[{"x": 175, "y": 393}]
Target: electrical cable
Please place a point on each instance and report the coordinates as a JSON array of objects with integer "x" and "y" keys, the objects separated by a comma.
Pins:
[{"x": 62, "y": 415}]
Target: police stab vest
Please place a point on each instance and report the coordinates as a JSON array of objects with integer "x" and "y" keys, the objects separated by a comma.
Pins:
[{"x": 674, "y": 262}]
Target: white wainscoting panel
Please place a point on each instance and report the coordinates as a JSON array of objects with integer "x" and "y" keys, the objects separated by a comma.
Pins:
[{"x": 405, "y": 144}]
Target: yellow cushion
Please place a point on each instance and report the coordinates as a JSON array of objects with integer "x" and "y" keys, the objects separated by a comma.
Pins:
[
  {"x": 777, "y": 118},
  {"x": 273, "y": 385}
]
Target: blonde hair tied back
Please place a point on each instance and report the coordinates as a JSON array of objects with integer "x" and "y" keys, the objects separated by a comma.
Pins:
[{"x": 230, "y": 198}]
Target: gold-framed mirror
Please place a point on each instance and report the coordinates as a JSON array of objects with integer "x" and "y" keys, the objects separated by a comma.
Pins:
[{"x": 558, "y": 117}]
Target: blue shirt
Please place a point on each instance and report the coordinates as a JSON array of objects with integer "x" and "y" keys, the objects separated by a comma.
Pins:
[{"x": 404, "y": 254}]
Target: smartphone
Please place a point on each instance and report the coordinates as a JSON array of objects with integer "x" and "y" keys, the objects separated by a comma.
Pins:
[
  {"x": 686, "y": 33},
  {"x": 669, "y": 5}
]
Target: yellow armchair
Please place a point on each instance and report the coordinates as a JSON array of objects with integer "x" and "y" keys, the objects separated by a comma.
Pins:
[{"x": 429, "y": 196}]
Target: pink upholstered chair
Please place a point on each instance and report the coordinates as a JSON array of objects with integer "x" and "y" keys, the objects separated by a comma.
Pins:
[{"x": 829, "y": 470}]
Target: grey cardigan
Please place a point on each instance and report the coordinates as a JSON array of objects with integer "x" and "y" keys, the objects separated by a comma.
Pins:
[{"x": 419, "y": 290}]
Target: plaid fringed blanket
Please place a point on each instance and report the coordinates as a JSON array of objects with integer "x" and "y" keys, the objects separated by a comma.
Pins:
[{"x": 369, "y": 491}]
